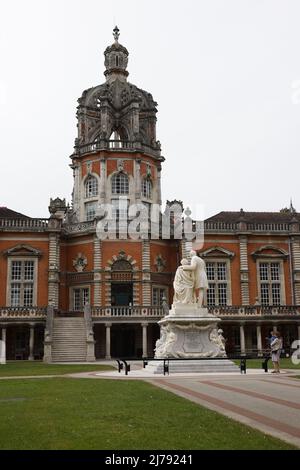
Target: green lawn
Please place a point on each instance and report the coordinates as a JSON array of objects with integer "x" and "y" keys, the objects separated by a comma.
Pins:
[
  {"x": 65, "y": 413},
  {"x": 285, "y": 363},
  {"x": 24, "y": 368}
]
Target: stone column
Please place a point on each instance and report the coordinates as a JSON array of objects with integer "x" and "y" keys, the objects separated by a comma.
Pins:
[
  {"x": 145, "y": 339},
  {"x": 107, "y": 326},
  {"x": 259, "y": 341},
  {"x": 244, "y": 270},
  {"x": 146, "y": 272},
  {"x": 31, "y": 343},
  {"x": 242, "y": 339},
  {"x": 3, "y": 347}
]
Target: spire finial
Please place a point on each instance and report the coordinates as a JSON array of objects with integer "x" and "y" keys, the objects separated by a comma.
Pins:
[
  {"x": 292, "y": 209},
  {"x": 116, "y": 33}
]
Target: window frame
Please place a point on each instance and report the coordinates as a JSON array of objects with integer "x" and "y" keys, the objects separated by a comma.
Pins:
[
  {"x": 113, "y": 184},
  {"x": 90, "y": 203},
  {"x": 72, "y": 298},
  {"x": 270, "y": 282},
  {"x": 217, "y": 282},
  {"x": 160, "y": 287},
  {"x": 22, "y": 282},
  {"x": 86, "y": 181},
  {"x": 149, "y": 185}
]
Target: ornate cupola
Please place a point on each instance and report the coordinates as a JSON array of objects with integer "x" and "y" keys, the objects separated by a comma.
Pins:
[
  {"x": 116, "y": 134},
  {"x": 116, "y": 59}
]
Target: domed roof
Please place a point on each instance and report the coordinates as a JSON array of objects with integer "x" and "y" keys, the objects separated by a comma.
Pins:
[
  {"x": 116, "y": 58},
  {"x": 116, "y": 90}
]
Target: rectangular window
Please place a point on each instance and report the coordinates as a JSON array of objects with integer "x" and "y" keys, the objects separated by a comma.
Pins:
[
  {"x": 222, "y": 293},
  {"x": 22, "y": 275},
  {"x": 15, "y": 297},
  {"x": 270, "y": 286},
  {"x": 90, "y": 210},
  {"x": 81, "y": 297},
  {"x": 263, "y": 271},
  {"x": 221, "y": 267},
  {"x": 217, "y": 275},
  {"x": 276, "y": 294},
  {"x": 16, "y": 267},
  {"x": 210, "y": 271},
  {"x": 264, "y": 294},
  {"x": 119, "y": 208},
  {"x": 158, "y": 293},
  {"x": 211, "y": 295}
]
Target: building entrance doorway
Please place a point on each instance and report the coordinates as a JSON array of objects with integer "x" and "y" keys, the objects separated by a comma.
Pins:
[
  {"x": 123, "y": 341},
  {"x": 121, "y": 294}
]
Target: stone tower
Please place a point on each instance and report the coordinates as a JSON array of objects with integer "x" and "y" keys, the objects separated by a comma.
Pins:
[{"x": 116, "y": 152}]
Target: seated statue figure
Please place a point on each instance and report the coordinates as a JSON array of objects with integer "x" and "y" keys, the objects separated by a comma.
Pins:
[{"x": 184, "y": 285}]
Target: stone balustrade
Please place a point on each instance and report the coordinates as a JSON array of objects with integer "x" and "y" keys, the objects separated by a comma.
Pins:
[
  {"x": 131, "y": 311},
  {"x": 30, "y": 313},
  {"x": 23, "y": 224},
  {"x": 155, "y": 312}
]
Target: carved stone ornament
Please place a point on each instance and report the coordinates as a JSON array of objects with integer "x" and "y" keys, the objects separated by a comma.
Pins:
[
  {"x": 80, "y": 262},
  {"x": 160, "y": 263},
  {"x": 120, "y": 165}
]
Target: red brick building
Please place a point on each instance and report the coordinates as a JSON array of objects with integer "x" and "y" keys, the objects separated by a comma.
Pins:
[{"x": 66, "y": 294}]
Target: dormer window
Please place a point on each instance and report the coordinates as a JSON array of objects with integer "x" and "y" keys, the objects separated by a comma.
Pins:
[{"x": 117, "y": 61}]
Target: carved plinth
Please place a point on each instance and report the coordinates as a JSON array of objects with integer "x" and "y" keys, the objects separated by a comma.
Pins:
[{"x": 190, "y": 332}]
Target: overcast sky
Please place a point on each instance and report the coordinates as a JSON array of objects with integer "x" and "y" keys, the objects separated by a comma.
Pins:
[{"x": 225, "y": 74}]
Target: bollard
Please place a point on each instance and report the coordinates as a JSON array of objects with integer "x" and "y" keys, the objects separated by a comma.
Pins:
[{"x": 243, "y": 366}]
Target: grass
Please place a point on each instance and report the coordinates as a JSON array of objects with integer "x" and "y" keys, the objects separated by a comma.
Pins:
[
  {"x": 285, "y": 363},
  {"x": 25, "y": 368},
  {"x": 66, "y": 413}
]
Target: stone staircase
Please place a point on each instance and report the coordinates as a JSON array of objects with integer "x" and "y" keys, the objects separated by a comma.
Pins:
[{"x": 69, "y": 340}]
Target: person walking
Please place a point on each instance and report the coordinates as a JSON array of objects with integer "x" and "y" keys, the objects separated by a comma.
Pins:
[{"x": 276, "y": 347}]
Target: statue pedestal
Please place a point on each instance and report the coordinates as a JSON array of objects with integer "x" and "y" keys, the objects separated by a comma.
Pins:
[{"x": 190, "y": 332}]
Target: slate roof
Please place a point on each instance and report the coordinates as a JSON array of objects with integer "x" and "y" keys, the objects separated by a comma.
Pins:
[{"x": 6, "y": 213}]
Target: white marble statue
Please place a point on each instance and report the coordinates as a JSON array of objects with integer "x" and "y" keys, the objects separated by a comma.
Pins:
[
  {"x": 197, "y": 266},
  {"x": 184, "y": 285}
]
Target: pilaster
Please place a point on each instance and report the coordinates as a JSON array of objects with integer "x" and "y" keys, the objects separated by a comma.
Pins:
[
  {"x": 97, "y": 271},
  {"x": 146, "y": 268},
  {"x": 244, "y": 270},
  {"x": 295, "y": 248}
]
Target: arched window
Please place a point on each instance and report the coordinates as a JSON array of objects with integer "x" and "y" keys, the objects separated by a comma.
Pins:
[
  {"x": 147, "y": 188},
  {"x": 91, "y": 186},
  {"x": 120, "y": 184}
]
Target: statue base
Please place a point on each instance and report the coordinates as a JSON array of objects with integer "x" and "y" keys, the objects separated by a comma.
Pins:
[
  {"x": 193, "y": 367},
  {"x": 189, "y": 332}
]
